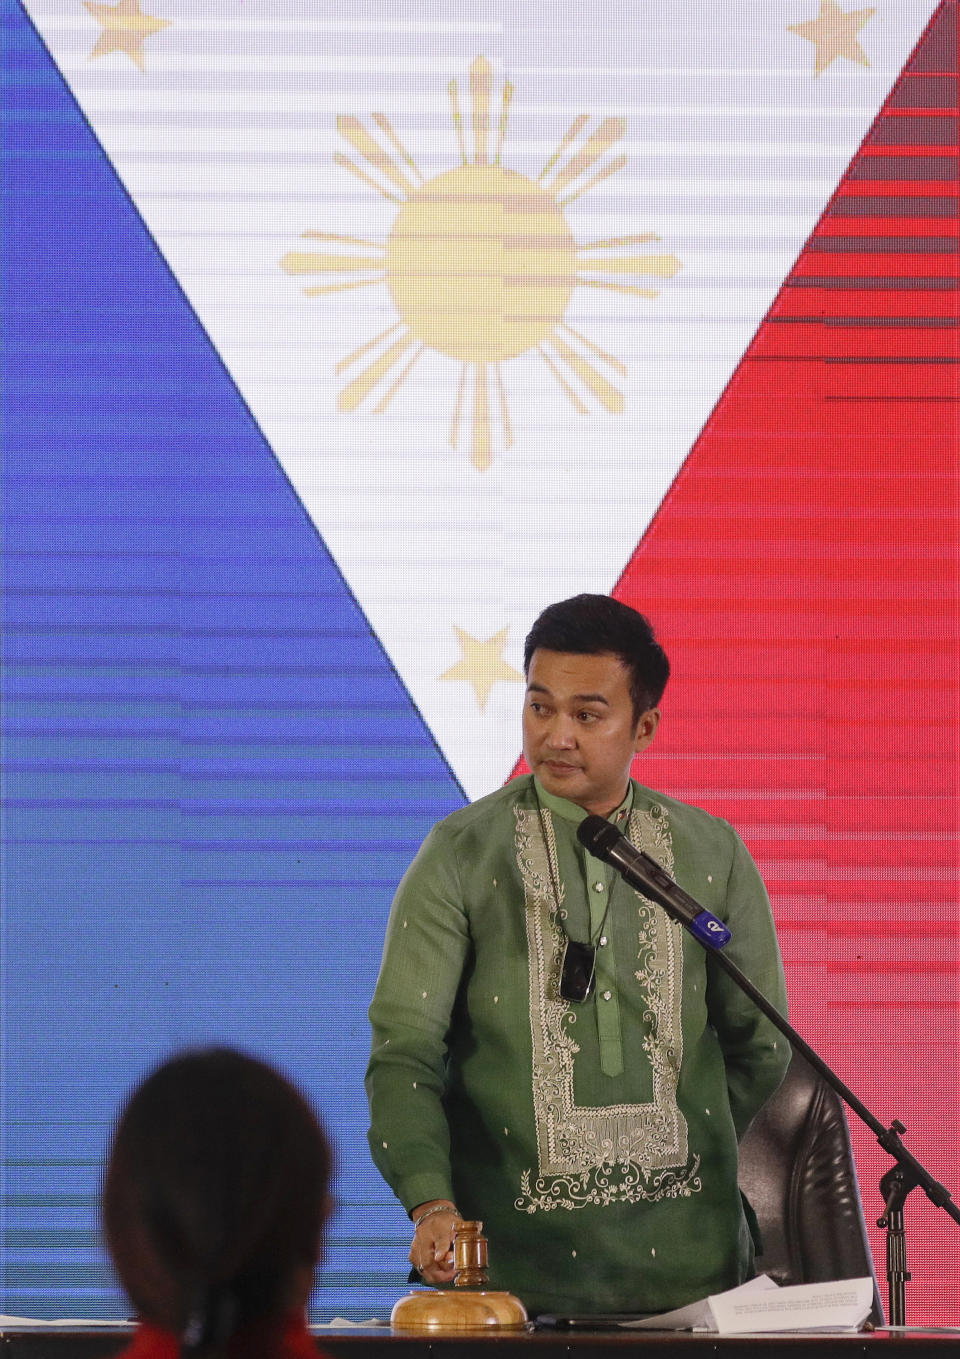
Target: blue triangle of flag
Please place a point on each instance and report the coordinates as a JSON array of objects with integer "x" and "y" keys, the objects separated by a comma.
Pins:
[{"x": 213, "y": 776}]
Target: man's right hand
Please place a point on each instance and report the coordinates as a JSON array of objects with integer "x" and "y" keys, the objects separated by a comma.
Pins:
[{"x": 431, "y": 1251}]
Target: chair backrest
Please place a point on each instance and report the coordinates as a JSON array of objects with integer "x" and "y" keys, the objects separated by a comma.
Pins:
[{"x": 797, "y": 1170}]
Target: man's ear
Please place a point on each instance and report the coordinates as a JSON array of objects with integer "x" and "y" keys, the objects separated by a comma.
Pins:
[{"x": 646, "y": 729}]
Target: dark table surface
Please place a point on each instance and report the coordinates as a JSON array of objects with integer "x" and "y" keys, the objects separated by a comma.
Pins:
[{"x": 380, "y": 1343}]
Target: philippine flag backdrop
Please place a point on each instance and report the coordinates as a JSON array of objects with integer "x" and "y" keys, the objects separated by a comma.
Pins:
[{"x": 338, "y": 340}]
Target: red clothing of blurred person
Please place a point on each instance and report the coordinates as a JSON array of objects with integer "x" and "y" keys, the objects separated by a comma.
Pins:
[{"x": 292, "y": 1341}]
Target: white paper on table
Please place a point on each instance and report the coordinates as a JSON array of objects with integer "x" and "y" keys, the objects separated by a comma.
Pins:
[
  {"x": 344, "y": 1324},
  {"x": 759, "y": 1305},
  {"x": 697, "y": 1316},
  {"x": 12, "y": 1323},
  {"x": 842, "y": 1305}
]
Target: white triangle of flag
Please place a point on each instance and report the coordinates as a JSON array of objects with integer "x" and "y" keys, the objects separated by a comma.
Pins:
[{"x": 481, "y": 281}]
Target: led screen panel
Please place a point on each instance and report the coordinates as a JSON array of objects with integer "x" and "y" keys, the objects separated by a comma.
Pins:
[{"x": 288, "y": 473}]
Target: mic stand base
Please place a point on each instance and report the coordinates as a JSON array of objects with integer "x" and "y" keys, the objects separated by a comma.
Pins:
[{"x": 895, "y": 1186}]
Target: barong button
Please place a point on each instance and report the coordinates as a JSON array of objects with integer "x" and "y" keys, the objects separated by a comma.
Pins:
[
  {"x": 603, "y": 941},
  {"x": 598, "y": 886},
  {"x": 608, "y": 995}
]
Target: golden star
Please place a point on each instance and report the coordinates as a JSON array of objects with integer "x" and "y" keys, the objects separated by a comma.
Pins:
[
  {"x": 834, "y": 34},
  {"x": 482, "y": 664},
  {"x": 125, "y": 29}
]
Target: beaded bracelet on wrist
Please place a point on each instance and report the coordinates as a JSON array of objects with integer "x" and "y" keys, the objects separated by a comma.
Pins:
[{"x": 437, "y": 1208}]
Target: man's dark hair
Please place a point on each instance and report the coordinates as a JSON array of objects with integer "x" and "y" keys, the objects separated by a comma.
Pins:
[{"x": 593, "y": 625}]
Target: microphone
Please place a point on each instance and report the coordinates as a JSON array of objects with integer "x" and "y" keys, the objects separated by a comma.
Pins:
[{"x": 637, "y": 868}]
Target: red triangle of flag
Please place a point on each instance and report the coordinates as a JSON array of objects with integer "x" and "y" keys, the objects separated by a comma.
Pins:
[{"x": 803, "y": 574}]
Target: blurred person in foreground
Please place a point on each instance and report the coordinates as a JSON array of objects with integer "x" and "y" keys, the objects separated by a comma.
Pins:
[{"x": 214, "y": 1203}]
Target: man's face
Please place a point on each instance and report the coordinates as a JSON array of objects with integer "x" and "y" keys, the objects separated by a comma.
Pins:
[{"x": 579, "y": 733}]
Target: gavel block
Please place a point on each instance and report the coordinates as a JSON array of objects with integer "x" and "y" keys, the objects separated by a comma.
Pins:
[{"x": 468, "y": 1306}]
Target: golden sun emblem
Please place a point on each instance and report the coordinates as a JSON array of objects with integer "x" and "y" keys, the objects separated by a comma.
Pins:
[{"x": 481, "y": 264}]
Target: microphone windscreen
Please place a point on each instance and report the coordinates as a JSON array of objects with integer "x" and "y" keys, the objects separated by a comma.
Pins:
[{"x": 598, "y": 835}]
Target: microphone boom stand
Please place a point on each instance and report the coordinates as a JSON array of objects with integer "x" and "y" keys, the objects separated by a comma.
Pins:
[{"x": 897, "y": 1183}]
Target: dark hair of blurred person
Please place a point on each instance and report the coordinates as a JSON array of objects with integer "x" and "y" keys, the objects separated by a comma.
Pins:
[{"x": 214, "y": 1202}]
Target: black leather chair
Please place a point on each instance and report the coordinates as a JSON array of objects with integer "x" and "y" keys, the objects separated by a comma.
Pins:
[{"x": 797, "y": 1171}]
